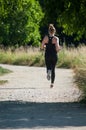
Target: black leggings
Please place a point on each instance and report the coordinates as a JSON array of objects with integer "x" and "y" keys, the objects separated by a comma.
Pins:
[{"x": 50, "y": 65}]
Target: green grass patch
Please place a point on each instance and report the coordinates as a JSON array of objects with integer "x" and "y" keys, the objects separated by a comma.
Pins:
[
  {"x": 2, "y": 72},
  {"x": 3, "y": 82}
]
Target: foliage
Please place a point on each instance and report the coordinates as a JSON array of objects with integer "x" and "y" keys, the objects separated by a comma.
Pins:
[
  {"x": 73, "y": 18},
  {"x": 22, "y": 20},
  {"x": 52, "y": 9},
  {"x": 68, "y": 16},
  {"x": 19, "y": 22}
]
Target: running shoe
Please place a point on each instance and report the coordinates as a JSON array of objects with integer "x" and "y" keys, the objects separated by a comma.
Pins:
[{"x": 51, "y": 86}]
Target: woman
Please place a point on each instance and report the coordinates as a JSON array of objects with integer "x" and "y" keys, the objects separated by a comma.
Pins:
[{"x": 51, "y": 45}]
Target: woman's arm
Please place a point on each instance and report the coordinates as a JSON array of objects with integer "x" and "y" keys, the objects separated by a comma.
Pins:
[
  {"x": 44, "y": 41},
  {"x": 58, "y": 48}
]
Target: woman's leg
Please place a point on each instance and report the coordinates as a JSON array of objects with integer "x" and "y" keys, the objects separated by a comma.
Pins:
[
  {"x": 54, "y": 61},
  {"x": 48, "y": 63},
  {"x": 48, "y": 67},
  {"x": 53, "y": 74}
]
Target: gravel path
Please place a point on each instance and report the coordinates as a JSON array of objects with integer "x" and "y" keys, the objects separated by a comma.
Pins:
[
  {"x": 28, "y": 103},
  {"x": 30, "y": 84}
]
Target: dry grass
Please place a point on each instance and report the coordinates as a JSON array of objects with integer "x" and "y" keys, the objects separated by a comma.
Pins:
[
  {"x": 21, "y": 56},
  {"x": 72, "y": 58},
  {"x": 80, "y": 79},
  {"x": 76, "y": 59},
  {"x": 68, "y": 58}
]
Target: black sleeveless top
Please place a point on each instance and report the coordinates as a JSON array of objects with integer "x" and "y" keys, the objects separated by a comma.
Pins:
[{"x": 50, "y": 48}]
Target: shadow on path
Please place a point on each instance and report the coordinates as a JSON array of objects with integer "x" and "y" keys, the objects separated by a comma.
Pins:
[{"x": 15, "y": 114}]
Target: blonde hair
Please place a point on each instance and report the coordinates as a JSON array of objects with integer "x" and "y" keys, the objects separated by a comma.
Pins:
[{"x": 52, "y": 29}]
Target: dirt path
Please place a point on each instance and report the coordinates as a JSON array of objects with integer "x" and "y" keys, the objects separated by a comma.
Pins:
[{"x": 28, "y": 103}]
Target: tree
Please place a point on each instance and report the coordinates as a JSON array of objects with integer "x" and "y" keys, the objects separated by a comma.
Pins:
[
  {"x": 73, "y": 18},
  {"x": 52, "y": 9},
  {"x": 20, "y": 21},
  {"x": 67, "y": 15}
]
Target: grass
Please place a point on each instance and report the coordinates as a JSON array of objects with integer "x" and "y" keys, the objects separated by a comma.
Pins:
[
  {"x": 21, "y": 57},
  {"x": 74, "y": 58},
  {"x": 2, "y": 72},
  {"x": 68, "y": 58},
  {"x": 80, "y": 79},
  {"x": 3, "y": 82}
]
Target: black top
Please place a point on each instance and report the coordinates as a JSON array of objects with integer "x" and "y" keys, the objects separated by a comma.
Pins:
[{"x": 50, "y": 48}]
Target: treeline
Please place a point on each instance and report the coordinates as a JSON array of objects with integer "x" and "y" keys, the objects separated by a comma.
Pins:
[
  {"x": 20, "y": 22},
  {"x": 24, "y": 22},
  {"x": 68, "y": 17}
]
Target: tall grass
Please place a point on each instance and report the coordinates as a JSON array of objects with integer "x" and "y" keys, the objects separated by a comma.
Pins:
[
  {"x": 72, "y": 57},
  {"x": 31, "y": 57},
  {"x": 76, "y": 59},
  {"x": 68, "y": 58},
  {"x": 80, "y": 79}
]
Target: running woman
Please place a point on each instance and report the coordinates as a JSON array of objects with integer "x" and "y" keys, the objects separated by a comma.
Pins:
[{"x": 51, "y": 44}]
